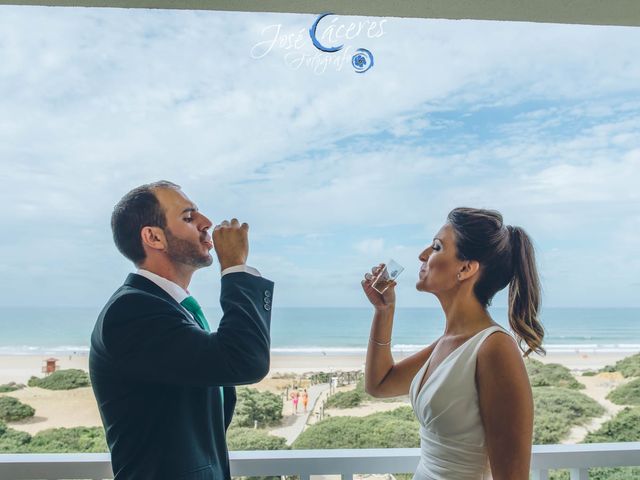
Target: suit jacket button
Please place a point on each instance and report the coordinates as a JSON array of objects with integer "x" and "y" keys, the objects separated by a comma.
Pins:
[
  {"x": 267, "y": 300},
  {"x": 267, "y": 307},
  {"x": 267, "y": 293}
]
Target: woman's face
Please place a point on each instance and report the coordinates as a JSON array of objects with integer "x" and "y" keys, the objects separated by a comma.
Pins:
[{"x": 440, "y": 265}]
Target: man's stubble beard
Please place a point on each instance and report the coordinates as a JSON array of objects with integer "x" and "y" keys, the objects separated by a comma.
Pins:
[{"x": 185, "y": 252}]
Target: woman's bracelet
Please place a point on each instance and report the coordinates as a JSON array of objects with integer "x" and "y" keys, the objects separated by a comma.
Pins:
[{"x": 378, "y": 343}]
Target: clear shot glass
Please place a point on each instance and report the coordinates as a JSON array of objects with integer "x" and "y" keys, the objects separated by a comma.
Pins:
[{"x": 387, "y": 276}]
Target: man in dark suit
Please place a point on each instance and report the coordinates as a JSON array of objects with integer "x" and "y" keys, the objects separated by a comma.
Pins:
[{"x": 164, "y": 383}]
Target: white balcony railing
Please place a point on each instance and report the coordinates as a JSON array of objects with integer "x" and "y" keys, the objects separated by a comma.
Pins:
[{"x": 304, "y": 463}]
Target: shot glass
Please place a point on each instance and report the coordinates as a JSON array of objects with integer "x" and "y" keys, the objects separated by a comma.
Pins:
[{"x": 387, "y": 275}]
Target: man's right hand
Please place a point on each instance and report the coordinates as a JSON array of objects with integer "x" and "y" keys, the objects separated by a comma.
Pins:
[{"x": 231, "y": 241}]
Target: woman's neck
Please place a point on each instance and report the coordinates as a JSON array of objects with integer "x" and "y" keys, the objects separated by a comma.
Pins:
[{"x": 465, "y": 316}]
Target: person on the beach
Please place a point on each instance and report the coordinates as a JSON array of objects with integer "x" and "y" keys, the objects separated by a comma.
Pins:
[
  {"x": 163, "y": 380},
  {"x": 469, "y": 388},
  {"x": 305, "y": 399},
  {"x": 295, "y": 396}
]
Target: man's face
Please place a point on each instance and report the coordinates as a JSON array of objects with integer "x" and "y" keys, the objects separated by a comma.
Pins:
[{"x": 188, "y": 241}]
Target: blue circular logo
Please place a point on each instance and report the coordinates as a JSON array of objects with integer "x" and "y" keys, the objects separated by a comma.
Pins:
[
  {"x": 314, "y": 39},
  {"x": 362, "y": 60}
]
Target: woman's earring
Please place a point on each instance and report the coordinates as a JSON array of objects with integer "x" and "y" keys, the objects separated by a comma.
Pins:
[{"x": 458, "y": 277}]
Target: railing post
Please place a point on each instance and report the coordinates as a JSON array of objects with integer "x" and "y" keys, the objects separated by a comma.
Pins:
[
  {"x": 579, "y": 473},
  {"x": 347, "y": 476},
  {"x": 539, "y": 474}
]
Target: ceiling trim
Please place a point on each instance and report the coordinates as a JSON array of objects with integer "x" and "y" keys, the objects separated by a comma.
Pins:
[{"x": 589, "y": 12}]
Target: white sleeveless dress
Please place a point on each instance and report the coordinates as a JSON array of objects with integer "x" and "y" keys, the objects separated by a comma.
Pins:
[{"x": 452, "y": 442}]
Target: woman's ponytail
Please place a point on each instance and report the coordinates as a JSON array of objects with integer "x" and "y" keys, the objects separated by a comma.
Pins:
[
  {"x": 506, "y": 257},
  {"x": 524, "y": 293}
]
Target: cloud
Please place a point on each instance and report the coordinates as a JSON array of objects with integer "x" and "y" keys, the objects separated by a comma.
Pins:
[
  {"x": 370, "y": 246},
  {"x": 514, "y": 116}
]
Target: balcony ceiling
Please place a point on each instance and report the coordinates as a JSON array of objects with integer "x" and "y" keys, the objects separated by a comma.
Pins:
[{"x": 591, "y": 12}]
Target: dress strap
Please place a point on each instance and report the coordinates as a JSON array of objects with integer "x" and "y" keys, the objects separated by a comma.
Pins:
[{"x": 486, "y": 333}]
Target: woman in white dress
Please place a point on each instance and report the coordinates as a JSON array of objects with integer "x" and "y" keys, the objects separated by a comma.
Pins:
[{"x": 469, "y": 389}]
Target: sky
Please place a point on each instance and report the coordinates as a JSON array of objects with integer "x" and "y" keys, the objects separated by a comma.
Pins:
[{"x": 335, "y": 171}]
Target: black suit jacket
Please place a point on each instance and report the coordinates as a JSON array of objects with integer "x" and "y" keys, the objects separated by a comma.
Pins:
[{"x": 156, "y": 376}]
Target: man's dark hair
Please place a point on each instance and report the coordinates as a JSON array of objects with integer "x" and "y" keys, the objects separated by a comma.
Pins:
[{"x": 137, "y": 209}]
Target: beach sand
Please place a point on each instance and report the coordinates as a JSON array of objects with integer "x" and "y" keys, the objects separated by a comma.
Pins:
[
  {"x": 57, "y": 408},
  {"x": 19, "y": 368},
  {"x": 78, "y": 407},
  {"x": 597, "y": 387}
]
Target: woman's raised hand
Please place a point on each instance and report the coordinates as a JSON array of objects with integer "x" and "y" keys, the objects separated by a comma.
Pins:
[{"x": 381, "y": 301}]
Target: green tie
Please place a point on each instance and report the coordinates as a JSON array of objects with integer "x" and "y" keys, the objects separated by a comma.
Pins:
[{"x": 193, "y": 306}]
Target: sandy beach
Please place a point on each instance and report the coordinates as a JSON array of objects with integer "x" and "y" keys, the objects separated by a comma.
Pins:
[
  {"x": 19, "y": 368},
  {"x": 78, "y": 407},
  {"x": 577, "y": 362}
]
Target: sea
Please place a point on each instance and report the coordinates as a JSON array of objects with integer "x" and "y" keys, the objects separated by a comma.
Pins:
[{"x": 331, "y": 331}]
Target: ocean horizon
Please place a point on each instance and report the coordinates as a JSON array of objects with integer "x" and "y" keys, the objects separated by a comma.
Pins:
[{"x": 331, "y": 331}]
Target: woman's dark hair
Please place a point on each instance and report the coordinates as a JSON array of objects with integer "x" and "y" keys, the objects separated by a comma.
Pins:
[
  {"x": 506, "y": 257},
  {"x": 137, "y": 209}
]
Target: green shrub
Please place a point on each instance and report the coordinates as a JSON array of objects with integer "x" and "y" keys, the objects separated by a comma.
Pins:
[
  {"x": 12, "y": 409},
  {"x": 549, "y": 428},
  {"x": 550, "y": 375},
  {"x": 253, "y": 405},
  {"x": 370, "y": 398},
  {"x": 69, "y": 440},
  {"x": 629, "y": 366},
  {"x": 57, "y": 440},
  {"x": 320, "y": 377},
  {"x": 559, "y": 474},
  {"x": 355, "y": 397},
  {"x": 574, "y": 405},
  {"x": 251, "y": 439},
  {"x": 380, "y": 430},
  {"x": 556, "y": 410},
  {"x": 349, "y": 399},
  {"x": 624, "y": 427},
  {"x": 628, "y": 394},
  {"x": 589, "y": 373},
  {"x": 617, "y": 473},
  {"x": 62, "y": 380},
  {"x": 13, "y": 441},
  {"x": 10, "y": 387},
  {"x": 400, "y": 413}
]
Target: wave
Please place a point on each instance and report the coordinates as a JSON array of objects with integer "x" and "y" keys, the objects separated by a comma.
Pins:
[
  {"x": 333, "y": 350},
  {"x": 44, "y": 350},
  {"x": 410, "y": 348}
]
